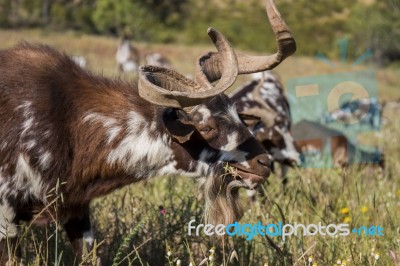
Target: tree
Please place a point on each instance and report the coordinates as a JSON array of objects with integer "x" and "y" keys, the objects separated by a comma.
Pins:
[{"x": 376, "y": 27}]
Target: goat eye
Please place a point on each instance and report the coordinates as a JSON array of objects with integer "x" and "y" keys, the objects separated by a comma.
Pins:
[{"x": 206, "y": 129}]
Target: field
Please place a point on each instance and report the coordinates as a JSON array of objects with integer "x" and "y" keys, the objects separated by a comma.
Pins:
[{"x": 146, "y": 223}]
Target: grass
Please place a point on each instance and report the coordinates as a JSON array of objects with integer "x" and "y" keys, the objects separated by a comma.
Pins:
[{"x": 146, "y": 223}]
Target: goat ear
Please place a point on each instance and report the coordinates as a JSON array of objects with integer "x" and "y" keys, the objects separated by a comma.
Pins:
[
  {"x": 249, "y": 120},
  {"x": 178, "y": 125}
]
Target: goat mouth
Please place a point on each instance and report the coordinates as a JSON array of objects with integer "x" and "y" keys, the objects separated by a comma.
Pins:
[{"x": 248, "y": 179}]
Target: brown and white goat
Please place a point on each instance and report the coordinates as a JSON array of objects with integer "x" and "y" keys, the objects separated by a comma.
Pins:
[
  {"x": 62, "y": 124},
  {"x": 312, "y": 137}
]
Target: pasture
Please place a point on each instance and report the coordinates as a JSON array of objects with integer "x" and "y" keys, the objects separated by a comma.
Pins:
[{"x": 146, "y": 223}]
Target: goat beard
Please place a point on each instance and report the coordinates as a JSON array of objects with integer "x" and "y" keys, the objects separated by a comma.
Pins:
[{"x": 222, "y": 204}]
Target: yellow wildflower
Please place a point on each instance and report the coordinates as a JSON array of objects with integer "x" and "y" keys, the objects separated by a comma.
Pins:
[
  {"x": 364, "y": 209},
  {"x": 344, "y": 210},
  {"x": 347, "y": 219}
]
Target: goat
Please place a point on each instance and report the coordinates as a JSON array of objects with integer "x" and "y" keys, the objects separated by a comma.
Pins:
[
  {"x": 312, "y": 137},
  {"x": 63, "y": 124},
  {"x": 127, "y": 56},
  {"x": 263, "y": 97},
  {"x": 157, "y": 59},
  {"x": 365, "y": 111}
]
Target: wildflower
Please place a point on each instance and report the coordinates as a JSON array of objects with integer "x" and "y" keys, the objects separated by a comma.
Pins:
[
  {"x": 265, "y": 264},
  {"x": 347, "y": 219},
  {"x": 162, "y": 210},
  {"x": 190, "y": 264},
  {"x": 211, "y": 257},
  {"x": 376, "y": 256},
  {"x": 338, "y": 262},
  {"x": 169, "y": 253},
  {"x": 364, "y": 209},
  {"x": 310, "y": 259},
  {"x": 178, "y": 262},
  {"x": 344, "y": 210},
  {"x": 314, "y": 264}
]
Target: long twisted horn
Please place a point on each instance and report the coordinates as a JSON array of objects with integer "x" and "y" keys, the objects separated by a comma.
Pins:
[{"x": 248, "y": 64}]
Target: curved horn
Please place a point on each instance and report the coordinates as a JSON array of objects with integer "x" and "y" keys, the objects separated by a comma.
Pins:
[
  {"x": 166, "y": 87},
  {"x": 224, "y": 60},
  {"x": 251, "y": 64}
]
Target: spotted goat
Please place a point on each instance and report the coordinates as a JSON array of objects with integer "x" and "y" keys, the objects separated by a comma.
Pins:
[
  {"x": 264, "y": 98},
  {"x": 64, "y": 125}
]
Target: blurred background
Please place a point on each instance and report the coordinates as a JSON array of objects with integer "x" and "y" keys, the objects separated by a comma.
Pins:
[{"x": 368, "y": 24}]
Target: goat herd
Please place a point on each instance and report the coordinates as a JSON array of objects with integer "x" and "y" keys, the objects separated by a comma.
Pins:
[{"x": 62, "y": 124}]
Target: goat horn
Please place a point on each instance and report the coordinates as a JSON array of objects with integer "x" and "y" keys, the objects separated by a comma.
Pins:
[
  {"x": 166, "y": 87},
  {"x": 251, "y": 64},
  {"x": 224, "y": 60}
]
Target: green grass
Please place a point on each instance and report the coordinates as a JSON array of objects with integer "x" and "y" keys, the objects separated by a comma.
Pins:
[{"x": 130, "y": 229}]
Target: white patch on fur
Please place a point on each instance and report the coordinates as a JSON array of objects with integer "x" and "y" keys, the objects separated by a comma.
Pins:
[
  {"x": 27, "y": 180},
  {"x": 3, "y": 145},
  {"x": 30, "y": 144},
  {"x": 257, "y": 75},
  {"x": 110, "y": 123},
  {"x": 205, "y": 113},
  {"x": 112, "y": 133},
  {"x": 7, "y": 215},
  {"x": 26, "y": 126},
  {"x": 168, "y": 169},
  {"x": 290, "y": 151},
  {"x": 234, "y": 114},
  {"x": 249, "y": 96},
  {"x": 45, "y": 160},
  {"x": 25, "y": 106},
  {"x": 139, "y": 147},
  {"x": 88, "y": 237},
  {"x": 229, "y": 152},
  {"x": 3, "y": 183},
  {"x": 232, "y": 142},
  {"x": 27, "y": 114}
]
